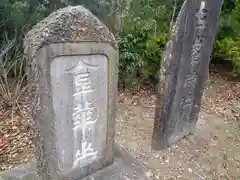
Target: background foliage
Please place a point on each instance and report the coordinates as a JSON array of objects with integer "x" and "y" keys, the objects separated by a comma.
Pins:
[
  {"x": 141, "y": 27},
  {"x": 228, "y": 39}
]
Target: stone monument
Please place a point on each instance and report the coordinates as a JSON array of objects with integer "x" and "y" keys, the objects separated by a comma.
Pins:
[
  {"x": 72, "y": 64},
  {"x": 184, "y": 70}
]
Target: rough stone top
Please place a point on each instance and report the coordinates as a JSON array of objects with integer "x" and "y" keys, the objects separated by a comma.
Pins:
[{"x": 70, "y": 24}]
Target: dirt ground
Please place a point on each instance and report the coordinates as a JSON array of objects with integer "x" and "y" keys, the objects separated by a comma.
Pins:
[{"x": 212, "y": 153}]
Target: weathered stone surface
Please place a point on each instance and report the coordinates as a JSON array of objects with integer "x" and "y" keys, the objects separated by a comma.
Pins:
[
  {"x": 72, "y": 67},
  {"x": 23, "y": 172},
  {"x": 70, "y": 24},
  {"x": 65, "y": 96},
  {"x": 125, "y": 167},
  {"x": 184, "y": 71}
]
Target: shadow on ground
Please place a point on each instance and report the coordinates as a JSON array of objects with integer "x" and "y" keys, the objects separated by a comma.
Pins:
[{"x": 212, "y": 153}]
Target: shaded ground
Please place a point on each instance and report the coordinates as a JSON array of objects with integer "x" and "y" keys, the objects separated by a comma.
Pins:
[
  {"x": 15, "y": 138},
  {"x": 212, "y": 153}
]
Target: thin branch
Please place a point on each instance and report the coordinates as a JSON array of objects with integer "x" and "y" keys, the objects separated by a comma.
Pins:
[{"x": 173, "y": 15}]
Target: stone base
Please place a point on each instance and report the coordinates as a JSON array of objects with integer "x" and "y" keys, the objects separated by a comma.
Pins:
[
  {"x": 125, "y": 167},
  {"x": 163, "y": 141}
]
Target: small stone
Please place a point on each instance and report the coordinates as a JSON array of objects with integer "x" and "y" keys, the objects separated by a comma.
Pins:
[
  {"x": 190, "y": 170},
  {"x": 224, "y": 165},
  {"x": 149, "y": 174},
  {"x": 215, "y": 137},
  {"x": 224, "y": 157}
]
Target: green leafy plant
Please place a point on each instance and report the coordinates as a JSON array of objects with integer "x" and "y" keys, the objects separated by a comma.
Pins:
[
  {"x": 230, "y": 48},
  {"x": 227, "y": 43},
  {"x": 142, "y": 41}
]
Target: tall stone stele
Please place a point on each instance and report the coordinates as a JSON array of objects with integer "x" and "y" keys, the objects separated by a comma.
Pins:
[
  {"x": 72, "y": 72},
  {"x": 184, "y": 71},
  {"x": 72, "y": 68}
]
